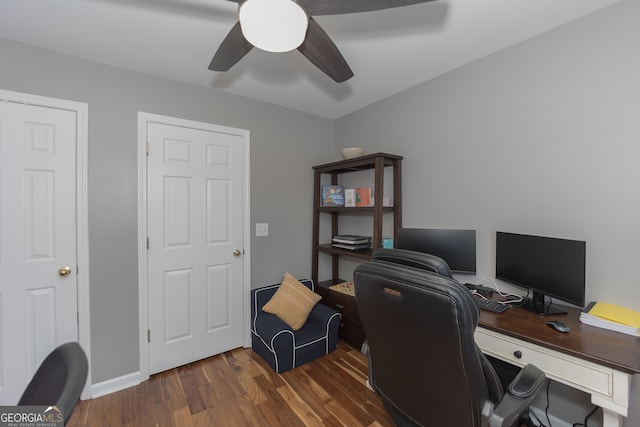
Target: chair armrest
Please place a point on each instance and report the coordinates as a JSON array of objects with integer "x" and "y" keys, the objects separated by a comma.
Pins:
[
  {"x": 527, "y": 382},
  {"x": 321, "y": 312},
  {"x": 267, "y": 325},
  {"x": 518, "y": 397}
]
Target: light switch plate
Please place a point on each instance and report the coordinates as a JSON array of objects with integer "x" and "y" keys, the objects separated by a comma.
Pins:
[{"x": 262, "y": 229}]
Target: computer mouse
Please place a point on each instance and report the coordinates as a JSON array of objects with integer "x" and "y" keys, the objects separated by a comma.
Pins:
[{"x": 558, "y": 326}]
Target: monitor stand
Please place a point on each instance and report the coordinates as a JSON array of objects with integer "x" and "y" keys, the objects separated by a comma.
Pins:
[{"x": 539, "y": 305}]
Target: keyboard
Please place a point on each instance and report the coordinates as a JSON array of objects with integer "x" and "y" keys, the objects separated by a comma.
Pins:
[{"x": 491, "y": 305}]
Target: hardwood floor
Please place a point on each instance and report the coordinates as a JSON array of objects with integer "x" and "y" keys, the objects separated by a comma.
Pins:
[{"x": 238, "y": 388}]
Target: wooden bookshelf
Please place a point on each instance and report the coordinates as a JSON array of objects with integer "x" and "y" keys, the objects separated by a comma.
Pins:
[{"x": 351, "y": 329}]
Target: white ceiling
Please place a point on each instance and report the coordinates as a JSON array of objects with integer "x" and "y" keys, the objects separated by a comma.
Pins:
[{"x": 388, "y": 50}]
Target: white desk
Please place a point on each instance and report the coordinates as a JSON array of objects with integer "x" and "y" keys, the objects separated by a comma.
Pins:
[{"x": 598, "y": 362}]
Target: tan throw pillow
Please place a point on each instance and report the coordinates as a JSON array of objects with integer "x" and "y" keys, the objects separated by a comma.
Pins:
[{"x": 292, "y": 302}]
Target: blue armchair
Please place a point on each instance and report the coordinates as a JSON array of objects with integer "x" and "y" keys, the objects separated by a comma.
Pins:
[{"x": 282, "y": 347}]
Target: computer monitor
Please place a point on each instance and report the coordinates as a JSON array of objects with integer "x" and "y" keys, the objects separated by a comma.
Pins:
[
  {"x": 456, "y": 247},
  {"x": 547, "y": 266}
]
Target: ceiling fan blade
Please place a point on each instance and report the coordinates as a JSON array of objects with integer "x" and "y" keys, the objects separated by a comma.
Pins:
[
  {"x": 231, "y": 50},
  {"x": 324, "y": 54},
  {"x": 336, "y": 7}
]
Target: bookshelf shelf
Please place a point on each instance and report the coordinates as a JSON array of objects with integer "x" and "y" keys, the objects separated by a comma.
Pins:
[
  {"x": 355, "y": 210},
  {"x": 361, "y": 253}
]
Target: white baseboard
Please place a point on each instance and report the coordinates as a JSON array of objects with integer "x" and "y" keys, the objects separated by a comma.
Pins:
[{"x": 115, "y": 384}]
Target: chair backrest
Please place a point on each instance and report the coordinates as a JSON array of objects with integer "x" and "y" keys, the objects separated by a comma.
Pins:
[
  {"x": 418, "y": 260},
  {"x": 59, "y": 380},
  {"x": 424, "y": 360}
]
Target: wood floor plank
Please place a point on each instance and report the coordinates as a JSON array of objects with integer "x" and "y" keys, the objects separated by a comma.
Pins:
[
  {"x": 299, "y": 406},
  {"x": 251, "y": 413},
  {"x": 246, "y": 371},
  {"x": 203, "y": 419},
  {"x": 376, "y": 410},
  {"x": 128, "y": 406},
  {"x": 352, "y": 393},
  {"x": 172, "y": 391},
  {"x": 228, "y": 411},
  {"x": 275, "y": 408},
  {"x": 309, "y": 391},
  {"x": 193, "y": 379},
  {"x": 182, "y": 417},
  {"x": 346, "y": 415},
  {"x": 239, "y": 389}
]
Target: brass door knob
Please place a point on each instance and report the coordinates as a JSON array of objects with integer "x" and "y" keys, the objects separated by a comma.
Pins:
[
  {"x": 64, "y": 271},
  {"x": 237, "y": 252}
]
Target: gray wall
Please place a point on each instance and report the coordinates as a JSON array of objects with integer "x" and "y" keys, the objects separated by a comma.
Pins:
[
  {"x": 540, "y": 138},
  {"x": 284, "y": 146}
]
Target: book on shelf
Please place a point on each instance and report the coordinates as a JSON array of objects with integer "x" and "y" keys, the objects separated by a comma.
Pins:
[
  {"x": 332, "y": 195},
  {"x": 350, "y": 197},
  {"x": 363, "y": 197},
  {"x": 350, "y": 239},
  {"x": 612, "y": 317}
]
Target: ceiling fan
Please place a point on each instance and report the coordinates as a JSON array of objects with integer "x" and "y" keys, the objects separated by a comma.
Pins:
[{"x": 284, "y": 25}]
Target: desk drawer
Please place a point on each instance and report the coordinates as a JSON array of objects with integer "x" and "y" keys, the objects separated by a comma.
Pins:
[
  {"x": 569, "y": 370},
  {"x": 345, "y": 304},
  {"x": 350, "y": 326}
]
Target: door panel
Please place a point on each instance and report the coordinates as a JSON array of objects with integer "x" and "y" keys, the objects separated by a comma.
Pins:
[
  {"x": 194, "y": 214},
  {"x": 38, "y": 306}
]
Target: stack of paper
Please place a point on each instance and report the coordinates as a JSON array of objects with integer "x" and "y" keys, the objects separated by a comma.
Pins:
[
  {"x": 350, "y": 242},
  {"x": 612, "y": 317}
]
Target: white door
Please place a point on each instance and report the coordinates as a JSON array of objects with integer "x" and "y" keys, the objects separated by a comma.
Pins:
[
  {"x": 195, "y": 210},
  {"x": 38, "y": 284}
]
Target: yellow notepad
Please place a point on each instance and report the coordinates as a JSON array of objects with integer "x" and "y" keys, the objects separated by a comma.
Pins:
[{"x": 616, "y": 313}]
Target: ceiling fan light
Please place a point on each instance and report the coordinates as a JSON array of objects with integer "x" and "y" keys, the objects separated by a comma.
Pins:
[{"x": 273, "y": 25}]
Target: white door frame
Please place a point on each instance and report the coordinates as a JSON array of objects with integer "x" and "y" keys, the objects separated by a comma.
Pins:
[
  {"x": 143, "y": 261},
  {"x": 82, "y": 224}
]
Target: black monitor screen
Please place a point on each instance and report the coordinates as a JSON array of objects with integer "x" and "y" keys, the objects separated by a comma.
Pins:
[
  {"x": 546, "y": 265},
  {"x": 456, "y": 247}
]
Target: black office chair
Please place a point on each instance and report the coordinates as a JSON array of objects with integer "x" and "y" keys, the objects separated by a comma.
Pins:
[
  {"x": 424, "y": 361},
  {"x": 59, "y": 380}
]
